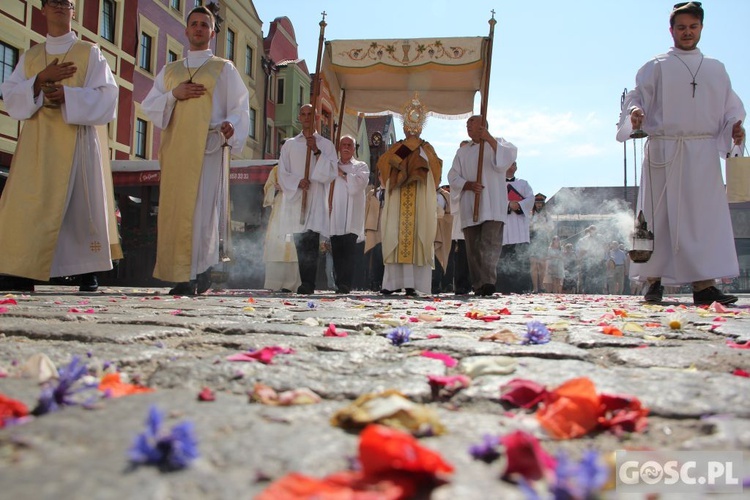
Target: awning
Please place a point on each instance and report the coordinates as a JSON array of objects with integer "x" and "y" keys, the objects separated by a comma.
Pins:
[
  {"x": 382, "y": 75},
  {"x": 147, "y": 172}
]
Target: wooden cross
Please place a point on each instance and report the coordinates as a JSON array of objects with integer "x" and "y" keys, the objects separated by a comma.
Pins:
[{"x": 694, "y": 85}]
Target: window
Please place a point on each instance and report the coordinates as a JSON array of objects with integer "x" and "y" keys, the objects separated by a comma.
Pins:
[
  {"x": 141, "y": 134},
  {"x": 171, "y": 56},
  {"x": 280, "y": 91},
  {"x": 145, "y": 57},
  {"x": 175, "y": 4},
  {"x": 198, "y": 3},
  {"x": 8, "y": 61},
  {"x": 230, "y": 45},
  {"x": 253, "y": 117},
  {"x": 301, "y": 96},
  {"x": 108, "y": 20},
  {"x": 249, "y": 61},
  {"x": 269, "y": 138}
]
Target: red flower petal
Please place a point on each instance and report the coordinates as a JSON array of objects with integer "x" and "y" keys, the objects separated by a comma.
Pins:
[
  {"x": 11, "y": 409},
  {"x": 523, "y": 393},
  {"x": 526, "y": 456},
  {"x": 385, "y": 450},
  {"x": 740, "y": 373},
  {"x": 206, "y": 395}
]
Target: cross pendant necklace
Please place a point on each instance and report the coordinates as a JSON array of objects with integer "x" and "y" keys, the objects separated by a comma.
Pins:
[
  {"x": 691, "y": 72},
  {"x": 187, "y": 66}
]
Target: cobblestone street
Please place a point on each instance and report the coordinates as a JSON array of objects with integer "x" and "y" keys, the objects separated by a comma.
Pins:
[{"x": 681, "y": 362}]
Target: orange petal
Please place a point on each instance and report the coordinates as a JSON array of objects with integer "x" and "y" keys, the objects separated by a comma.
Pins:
[
  {"x": 111, "y": 384},
  {"x": 573, "y": 409}
]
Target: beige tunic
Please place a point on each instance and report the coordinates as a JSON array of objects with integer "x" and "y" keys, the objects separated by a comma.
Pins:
[
  {"x": 183, "y": 145},
  {"x": 37, "y": 195}
]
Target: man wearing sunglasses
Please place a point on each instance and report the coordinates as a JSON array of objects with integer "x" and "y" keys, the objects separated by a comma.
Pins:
[
  {"x": 57, "y": 215},
  {"x": 685, "y": 103}
]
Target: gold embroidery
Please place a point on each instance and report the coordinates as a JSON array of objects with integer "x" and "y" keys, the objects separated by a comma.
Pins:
[
  {"x": 95, "y": 246},
  {"x": 407, "y": 224}
]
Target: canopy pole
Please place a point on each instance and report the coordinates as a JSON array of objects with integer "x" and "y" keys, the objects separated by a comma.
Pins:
[
  {"x": 341, "y": 118},
  {"x": 316, "y": 94},
  {"x": 483, "y": 112}
]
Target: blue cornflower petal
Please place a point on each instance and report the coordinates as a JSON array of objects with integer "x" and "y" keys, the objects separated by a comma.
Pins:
[
  {"x": 399, "y": 335},
  {"x": 536, "y": 333},
  {"x": 486, "y": 451},
  {"x": 168, "y": 451},
  {"x": 592, "y": 474},
  {"x": 59, "y": 393}
]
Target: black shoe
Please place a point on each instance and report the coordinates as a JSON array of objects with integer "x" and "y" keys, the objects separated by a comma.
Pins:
[
  {"x": 709, "y": 295},
  {"x": 305, "y": 290},
  {"x": 385, "y": 291},
  {"x": 655, "y": 293},
  {"x": 410, "y": 292},
  {"x": 16, "y": 284},
  {"x": 284, "y": 290},
  {"x": 487, "y": 290},
  {"x": 343, "y": 290},
  {"x": 203, "y": 282},
  {"x": 88, "y": 283},
  {"x": 461, "y": 291},
  {"x": 184, "y": 288}
]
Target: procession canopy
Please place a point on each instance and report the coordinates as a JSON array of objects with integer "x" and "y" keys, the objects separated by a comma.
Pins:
[{"x": 381, "y": 75}]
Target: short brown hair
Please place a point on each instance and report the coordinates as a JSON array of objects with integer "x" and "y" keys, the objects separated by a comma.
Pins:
[
  {"x": 692, "y": 8},
  {"x": 203, "y": 10}
]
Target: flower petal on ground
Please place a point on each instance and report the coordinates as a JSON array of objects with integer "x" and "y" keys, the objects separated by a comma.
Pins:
[
  {"x": 115, "y": 388},
  {"x": 525, "y": 456},
  {"x": 571, "y": 410},
  {"x": 449, "y": 361},
  {"x": 523, "y": 393}
]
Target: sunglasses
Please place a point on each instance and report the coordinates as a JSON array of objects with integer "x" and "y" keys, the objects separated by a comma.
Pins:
[{"x": 65, "y": 4}]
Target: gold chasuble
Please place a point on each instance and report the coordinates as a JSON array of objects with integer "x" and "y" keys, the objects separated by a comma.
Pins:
[
  {"x": 409, "y": 218},
  {"x": 42, "y": 164},
  {"x": 183, "y": 145}
]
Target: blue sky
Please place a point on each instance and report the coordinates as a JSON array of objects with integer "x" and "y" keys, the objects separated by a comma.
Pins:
[{"x": 558, "y": 69}]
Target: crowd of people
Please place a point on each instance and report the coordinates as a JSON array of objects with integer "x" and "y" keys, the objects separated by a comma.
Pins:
[{"x": 484, "y": 232}]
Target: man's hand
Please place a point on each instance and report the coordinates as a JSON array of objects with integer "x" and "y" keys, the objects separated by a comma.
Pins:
[
  {"x": 475, "y": 187},
  {"x": 54, "y": 73},
  {"x": 54, "y": 93},
  {"x": 636, "y": 118},
  {"x": 304, "y": 184},
  {"x": 738, "y": 133},
  {"x": 312, "y": 144},
  {"x": 187, "y": 90},
  {"x": 514, "y": 206},
  {"x": 227, "y": 130}
]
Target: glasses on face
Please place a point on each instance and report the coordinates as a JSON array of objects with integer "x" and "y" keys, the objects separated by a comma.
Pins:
[
  {"x": 682, "y": 4},
  {"x": 64, "y": 4}
]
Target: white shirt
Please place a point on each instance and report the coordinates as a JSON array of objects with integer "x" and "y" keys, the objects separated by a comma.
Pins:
[
  {"x": 493, "y": 202},
  {"x": 348, "y": 209}
]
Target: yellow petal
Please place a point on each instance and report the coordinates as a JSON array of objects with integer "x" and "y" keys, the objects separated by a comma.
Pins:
[{"x": 633, "y": 327}]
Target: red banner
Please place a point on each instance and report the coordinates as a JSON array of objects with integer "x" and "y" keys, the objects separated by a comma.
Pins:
[{"x": 238, "y": 175}]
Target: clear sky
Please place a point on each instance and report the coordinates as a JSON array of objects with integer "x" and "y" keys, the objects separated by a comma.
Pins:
[{"x": 558, "y": 69}]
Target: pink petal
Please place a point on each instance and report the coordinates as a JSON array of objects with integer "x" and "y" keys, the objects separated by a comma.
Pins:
[
  {"x": 430, "y": 308},
  {"x": 740, "y": 373},
  {"x": 332, "y": 332},
  {"x": 434, "y": 336},
  {"x": 448, "y": 360},
  {"x": 719, "y": 308},
  {"x": 735, "y": 345},
  {"x": 3, "y": 310}
]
